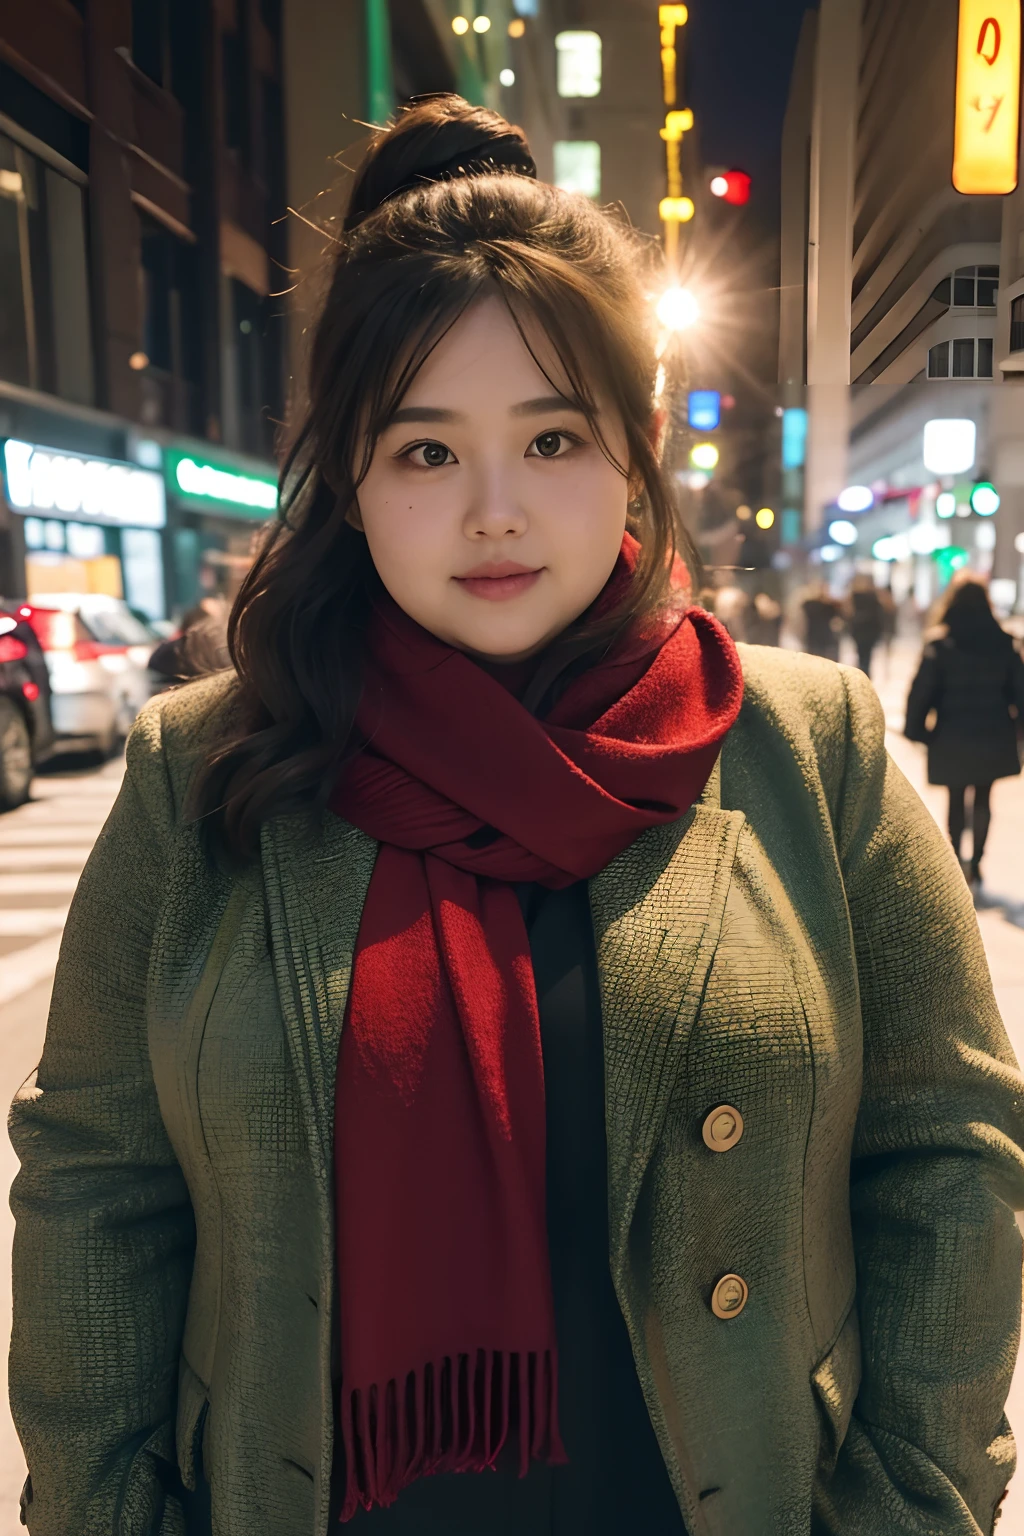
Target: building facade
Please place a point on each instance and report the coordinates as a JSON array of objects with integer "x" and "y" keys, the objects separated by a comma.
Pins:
[{"x": 898, "y": 301}]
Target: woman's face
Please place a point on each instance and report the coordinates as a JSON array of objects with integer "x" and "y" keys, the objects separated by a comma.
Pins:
[{"x": 492, "y": 515}]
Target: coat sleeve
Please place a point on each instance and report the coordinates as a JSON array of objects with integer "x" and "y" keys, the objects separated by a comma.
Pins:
[
  {"x": 104, "y": 1233},
  {"x": 924, "y": 696},
  {"x": 936, "y": 1174}
]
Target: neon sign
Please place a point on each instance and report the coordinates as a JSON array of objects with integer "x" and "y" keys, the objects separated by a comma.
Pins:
[{"x": 987, "y": 125}]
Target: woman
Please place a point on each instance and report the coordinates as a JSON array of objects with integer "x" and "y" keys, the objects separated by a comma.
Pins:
[
  {"x": 973, "y": 678},
  {"x": 469, "y": 1015}
]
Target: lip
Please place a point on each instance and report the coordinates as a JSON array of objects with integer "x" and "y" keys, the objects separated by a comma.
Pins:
[{"x": 499, "y": 580}]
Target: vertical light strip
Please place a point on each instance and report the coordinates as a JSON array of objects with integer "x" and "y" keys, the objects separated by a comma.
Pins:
[{"x": 380, "y": 85}]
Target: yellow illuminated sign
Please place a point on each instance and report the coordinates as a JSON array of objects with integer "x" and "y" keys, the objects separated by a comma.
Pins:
[{"x": 985, "y": 150}]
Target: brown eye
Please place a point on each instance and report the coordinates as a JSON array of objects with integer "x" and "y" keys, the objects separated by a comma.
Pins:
[{"x": 548, "y": 444}]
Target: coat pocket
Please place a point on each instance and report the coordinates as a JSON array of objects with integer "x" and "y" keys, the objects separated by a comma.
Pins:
[
  {"x": 193, "y": 1406},
  {"x": 836, "y": 1381}
]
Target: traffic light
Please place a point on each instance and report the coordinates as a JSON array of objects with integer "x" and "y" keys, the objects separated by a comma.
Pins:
[{"x": 732, "y": 187}]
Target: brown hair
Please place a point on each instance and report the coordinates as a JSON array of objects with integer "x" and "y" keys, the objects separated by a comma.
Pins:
[{"x": 444, "y": 208}]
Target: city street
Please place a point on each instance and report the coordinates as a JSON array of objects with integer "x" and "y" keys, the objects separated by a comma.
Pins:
[{"x": 44, "y": 845}]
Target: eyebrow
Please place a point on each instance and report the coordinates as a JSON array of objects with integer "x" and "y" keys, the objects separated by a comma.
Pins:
[{"x": 539, "y": 407}]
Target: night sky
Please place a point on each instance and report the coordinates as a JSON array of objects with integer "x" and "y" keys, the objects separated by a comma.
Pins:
[{"x": 738, "y": 69}]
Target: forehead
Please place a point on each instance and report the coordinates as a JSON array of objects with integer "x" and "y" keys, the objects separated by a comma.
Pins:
[{"x": 483, "y": 358}]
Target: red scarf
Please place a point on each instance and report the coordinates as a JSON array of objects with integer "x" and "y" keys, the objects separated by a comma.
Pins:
[{"x": 447, "y": 1321}]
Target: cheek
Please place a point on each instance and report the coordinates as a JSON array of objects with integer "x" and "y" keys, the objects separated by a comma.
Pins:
[{"x": 403, "y": 523}]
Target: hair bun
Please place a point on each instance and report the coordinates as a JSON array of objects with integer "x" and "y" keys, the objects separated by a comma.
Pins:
[{"x": 436, "y": 139}]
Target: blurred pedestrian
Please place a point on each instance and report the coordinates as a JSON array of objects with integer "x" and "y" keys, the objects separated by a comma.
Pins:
[
  {"x": 967, "y": 704},
  {"x": 429, "y": 964},
  {"x": 865, "y": 619},
  {"x": 731, "y": 605},
  {"x": 823, "y": 622},
  {"x": 199, "y": 647},
  {"x": 764, "y": 620}
]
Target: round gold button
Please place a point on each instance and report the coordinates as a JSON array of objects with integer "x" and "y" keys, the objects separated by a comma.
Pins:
[
  {"x": 729, "y": 1296},
  {"x": 722, "y": 1128}
]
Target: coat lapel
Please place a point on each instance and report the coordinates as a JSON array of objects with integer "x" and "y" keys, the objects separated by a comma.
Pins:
[
  {"x": 657, "y": 912},
  {"x": 316, "y": 875}
]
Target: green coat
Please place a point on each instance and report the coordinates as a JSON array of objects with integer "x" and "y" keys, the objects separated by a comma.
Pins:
[{"x": 801, "y": 946}]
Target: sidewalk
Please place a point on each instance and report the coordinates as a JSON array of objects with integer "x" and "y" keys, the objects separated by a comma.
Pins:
[{"x": 1001, "y": 920}]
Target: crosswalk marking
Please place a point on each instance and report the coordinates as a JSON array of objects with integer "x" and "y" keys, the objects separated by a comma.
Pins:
[
  {"x": 49, "y": 883},
  {"x": 71, "y": 855},
  {"x": 43, "y": 848},
  {"x": 31, "y": 922}
]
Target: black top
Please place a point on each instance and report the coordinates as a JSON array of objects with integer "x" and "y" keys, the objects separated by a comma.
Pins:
[
  {"x": 975, "y": 683},
  {"x": 615, "y": 1480}
]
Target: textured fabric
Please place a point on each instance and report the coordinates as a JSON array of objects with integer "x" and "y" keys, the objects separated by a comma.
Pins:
[
  {"x": 448, "y": 1340},
  {"x": 807, "y": 951},
  {"x": 614, "y": 1480},
  {"x": 972, "y": 682}
]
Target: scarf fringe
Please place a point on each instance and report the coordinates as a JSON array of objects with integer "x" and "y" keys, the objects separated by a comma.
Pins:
[{"x": 444, "y": 1420}]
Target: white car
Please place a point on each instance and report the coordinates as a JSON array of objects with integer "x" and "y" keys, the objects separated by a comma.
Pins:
[{"x": 97, "y": 654}]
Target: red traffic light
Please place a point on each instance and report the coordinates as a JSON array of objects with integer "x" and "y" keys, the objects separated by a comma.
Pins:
[{"x": 732, "y": 187}]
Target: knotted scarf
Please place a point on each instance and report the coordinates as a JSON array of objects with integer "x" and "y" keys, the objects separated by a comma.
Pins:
[{"x": 447, "y": 1334}]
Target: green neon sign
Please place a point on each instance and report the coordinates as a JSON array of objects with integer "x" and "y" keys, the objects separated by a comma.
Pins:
[{"x": 196, "y": 481}]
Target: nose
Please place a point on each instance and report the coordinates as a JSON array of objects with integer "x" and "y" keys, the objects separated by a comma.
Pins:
[{"x": 494, "y": 510}]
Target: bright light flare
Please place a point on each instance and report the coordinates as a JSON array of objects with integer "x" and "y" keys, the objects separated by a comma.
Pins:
[
  {"x": 765, "y": 517},
  {"x": 719, "y": 186},
  {"x": 507, "y": 76},
  {"x": 481, "y": 24},
  {"x": 677, "y": 309},
  {"x": 460, "y": 26}
]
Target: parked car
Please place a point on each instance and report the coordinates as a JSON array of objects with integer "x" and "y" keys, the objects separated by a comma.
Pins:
[
  {"x": 26, "y": 729},
  {"x": 97, "y": 653}
]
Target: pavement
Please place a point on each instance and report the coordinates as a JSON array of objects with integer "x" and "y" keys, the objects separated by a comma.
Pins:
[{"x": 44, "y": 845}]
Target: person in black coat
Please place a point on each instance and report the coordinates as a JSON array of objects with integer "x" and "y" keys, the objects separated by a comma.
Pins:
[
  {"x": 865, "y": 620},
  {"x": 972, "y": 677}
]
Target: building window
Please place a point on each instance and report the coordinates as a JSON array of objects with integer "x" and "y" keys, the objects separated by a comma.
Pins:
[
  {"x": 171, "y": 336},
  {"x": 578, "y": 166},
  {"x": 45, "y": 323},
  {"x": 258, "y": 330},
  {"x": 971, "y": 358},
  {"x": 1017, "y": 325},
  {"x": 151, "y": 41},
  {"x": 579, "y": 63},
  {"x": 969, "y": 288}
]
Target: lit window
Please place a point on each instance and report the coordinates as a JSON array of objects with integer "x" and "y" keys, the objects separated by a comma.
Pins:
[
  {"x": 579, "y": 63},
  {"x": 578, "y": 166}
]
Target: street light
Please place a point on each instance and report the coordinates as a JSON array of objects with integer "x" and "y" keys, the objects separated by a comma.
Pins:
[
  {"x": 677, "y": 309},
  {"x": 764, "y": 518},
  {"x": 704, "y": 456},
  {"x": 855, "y": 498},
  {"x": 842, "y": 531},
  {"x": 460, "y": 26}
]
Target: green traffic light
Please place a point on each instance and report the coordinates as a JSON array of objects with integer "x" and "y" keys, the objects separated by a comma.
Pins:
[{"x": 985, "y": 499}]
